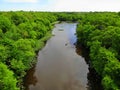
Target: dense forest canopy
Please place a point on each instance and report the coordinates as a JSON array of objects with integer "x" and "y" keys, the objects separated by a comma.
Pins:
[
  {"x": 22, "y": 34},
  {"x": 100, "y": 33}
]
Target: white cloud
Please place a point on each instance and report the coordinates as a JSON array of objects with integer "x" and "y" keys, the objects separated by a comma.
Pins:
[
  {"x": 86, "y": 5},
  {"x": 67, "y": 5},
  {"x": 22, "y": 1}
]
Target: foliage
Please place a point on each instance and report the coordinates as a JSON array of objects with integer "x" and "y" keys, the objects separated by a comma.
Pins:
[
  {"x": 5, "y": 23},
  {"x": 22, "y": 34},
  {"x": 100, "y": 32},
  {"x": 7, "y": 79}
]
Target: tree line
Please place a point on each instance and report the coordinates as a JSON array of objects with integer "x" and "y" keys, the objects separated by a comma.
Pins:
[
  {"x": 22, "y": 34},
  {"x": 100, "y": 33}
]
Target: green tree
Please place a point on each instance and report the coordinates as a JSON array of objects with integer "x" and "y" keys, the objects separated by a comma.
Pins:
[
  {"x": 18, "y": 18},
  {"x": 3, "y": 53},
  {"x": 5, "y": 24},
  {"x": 7, "y": 79}
]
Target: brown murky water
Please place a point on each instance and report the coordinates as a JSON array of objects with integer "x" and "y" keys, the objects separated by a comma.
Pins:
[{"x": 59, "y": 67}]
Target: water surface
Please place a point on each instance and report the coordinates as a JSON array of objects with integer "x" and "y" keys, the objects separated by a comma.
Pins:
[{"x": 59, "y": 67}]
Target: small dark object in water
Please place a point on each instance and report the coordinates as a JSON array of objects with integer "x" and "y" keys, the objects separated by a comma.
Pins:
[
  {"x": 66, "y": 44},
  {"x": 61, "y": 29},
  {"x": 53, "y": 34}
]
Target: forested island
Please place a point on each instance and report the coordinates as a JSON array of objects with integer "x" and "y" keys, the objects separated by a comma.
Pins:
[{"x": 23, "y": 34}]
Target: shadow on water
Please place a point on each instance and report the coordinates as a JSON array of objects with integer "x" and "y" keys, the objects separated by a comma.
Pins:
[
  {"x": 30, "y": 79},
  {"x": 94, "y": 80}
]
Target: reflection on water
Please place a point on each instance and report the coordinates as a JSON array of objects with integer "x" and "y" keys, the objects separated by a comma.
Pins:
[
  {"x": 59, "y": 67},
  {"x": 94, "y": 80},
  {"x": 30, "y": 79}
]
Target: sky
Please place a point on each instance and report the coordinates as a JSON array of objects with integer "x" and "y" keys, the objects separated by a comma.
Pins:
[{"x": 60, "y": 5}]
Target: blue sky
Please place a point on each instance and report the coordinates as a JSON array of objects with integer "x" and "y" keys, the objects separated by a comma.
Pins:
[{"x": 60, "y": 5}]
